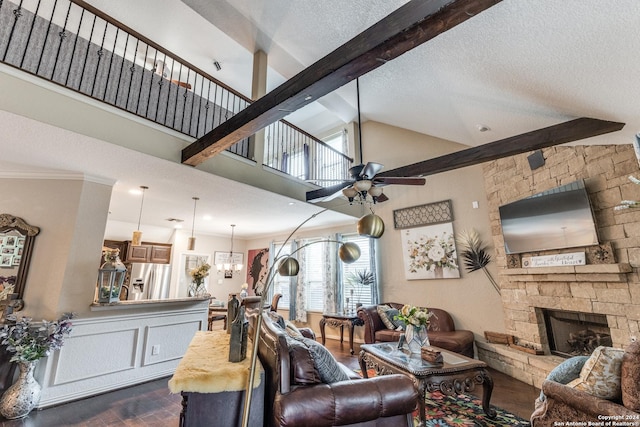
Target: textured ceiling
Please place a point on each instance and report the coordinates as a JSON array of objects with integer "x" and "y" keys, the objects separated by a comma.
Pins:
[{"x": 519, "y": 66}]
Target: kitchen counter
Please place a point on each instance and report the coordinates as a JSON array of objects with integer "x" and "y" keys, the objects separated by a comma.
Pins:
[{"x": 147, "y": 303}]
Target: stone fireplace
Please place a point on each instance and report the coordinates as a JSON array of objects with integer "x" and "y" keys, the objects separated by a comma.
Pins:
[
  {"x": 605, "y": 292},
  {"x": 571, "y": 333}
]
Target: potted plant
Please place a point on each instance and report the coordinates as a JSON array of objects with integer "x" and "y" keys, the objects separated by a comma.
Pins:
[
  {"x": 358, "y": 280},
  {"x": 29, "y": 342}
]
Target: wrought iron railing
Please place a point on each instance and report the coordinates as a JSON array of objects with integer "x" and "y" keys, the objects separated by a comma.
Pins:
[
  {"x": 72, "y": 44},
  {"x": 292, "y": 151}
]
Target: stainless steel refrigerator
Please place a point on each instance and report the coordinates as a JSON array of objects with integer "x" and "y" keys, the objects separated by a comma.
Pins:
[{"x": 149, "y": 281}]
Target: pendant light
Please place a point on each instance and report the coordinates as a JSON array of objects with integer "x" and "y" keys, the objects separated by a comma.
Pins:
[
  {"x": 192, "y": 240},
  {"x": 230, "y": 265},
  {"x": 136, "y": 239}
]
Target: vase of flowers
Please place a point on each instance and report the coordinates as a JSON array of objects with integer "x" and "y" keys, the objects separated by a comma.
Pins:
[
  {"x": 29, "y": 343},
  {"x": 198, "y": 275},
  {"x": 416, "y": 322}
]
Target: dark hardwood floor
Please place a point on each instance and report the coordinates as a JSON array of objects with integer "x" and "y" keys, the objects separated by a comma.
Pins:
[{"x": 151, "y": 404}]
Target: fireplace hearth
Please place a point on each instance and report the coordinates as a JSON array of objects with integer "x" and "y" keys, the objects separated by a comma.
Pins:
[{"x": 575, "y": 334}]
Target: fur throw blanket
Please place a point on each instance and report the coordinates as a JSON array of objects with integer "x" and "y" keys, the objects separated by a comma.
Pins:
[{"x": 205, "y": 367}]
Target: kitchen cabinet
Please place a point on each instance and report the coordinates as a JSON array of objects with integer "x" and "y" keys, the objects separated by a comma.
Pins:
[{"x": 156, "y": 253}]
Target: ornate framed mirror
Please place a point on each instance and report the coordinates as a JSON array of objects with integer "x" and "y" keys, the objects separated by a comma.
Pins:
[{"x": 16, "y": 245}]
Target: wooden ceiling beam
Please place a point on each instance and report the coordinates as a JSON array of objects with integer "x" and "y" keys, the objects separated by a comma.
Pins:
[
  {"x": 411, "y": 25},
  {"x": 572, "y": 130}
]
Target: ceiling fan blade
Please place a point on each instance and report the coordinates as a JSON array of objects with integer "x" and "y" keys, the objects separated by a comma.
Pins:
[
  {"x": 321, "y": 193},
  {"x": 370, "y": 170},
  {"x": 573, "y": 130},
  {"x": 399, "y": 180},
  {"x": 382, "y": 198}
]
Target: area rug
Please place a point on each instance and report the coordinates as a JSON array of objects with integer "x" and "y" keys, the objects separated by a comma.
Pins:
[{"x": 461, "y": 411}]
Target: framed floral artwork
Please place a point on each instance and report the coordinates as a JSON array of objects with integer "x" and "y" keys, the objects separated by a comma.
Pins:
[{"x": 430, "y": 252}]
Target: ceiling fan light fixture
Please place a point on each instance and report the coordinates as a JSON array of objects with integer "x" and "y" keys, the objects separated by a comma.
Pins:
[
  {"x": 375, "y": 191},
  {"x": 371, "y": 225},
  {"x": 362, "y": 185},
  {"x": 350, "y": 193}
]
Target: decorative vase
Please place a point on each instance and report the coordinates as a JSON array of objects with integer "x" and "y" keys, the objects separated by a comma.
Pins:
[
  {"x": 438, "y": 272},
  {"x": 197, "y": 289},
  {"x": 416, "y": 338},
  {"x": 19, "y": 399}
]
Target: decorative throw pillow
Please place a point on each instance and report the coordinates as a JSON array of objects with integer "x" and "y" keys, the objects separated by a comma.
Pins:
[
  {"x": 630, "y": 377},
  {"x": 277, "y": 319},
  {"x": 566, "y": 372},
  {"x": 328, "y": 368},
  {"x": 303, "y": 368},
  {"x": 292, "y": 330},
  {"x": 397, "y": 324},
  {"x": 382, "y": 312},
  {"x": 600, "y": 375}
]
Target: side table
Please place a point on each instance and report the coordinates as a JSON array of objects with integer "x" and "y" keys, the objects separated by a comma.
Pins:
[{"x": 341, "y": 320}]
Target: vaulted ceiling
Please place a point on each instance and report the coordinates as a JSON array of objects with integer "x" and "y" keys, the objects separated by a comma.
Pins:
[{"x": 518, "y": 66}]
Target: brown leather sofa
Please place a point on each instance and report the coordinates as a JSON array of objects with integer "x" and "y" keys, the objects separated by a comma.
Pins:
[
  {"x": 564, "y": 403},
  {"x": 442, "y": 331},
  {"x": 296, "y": 397}
]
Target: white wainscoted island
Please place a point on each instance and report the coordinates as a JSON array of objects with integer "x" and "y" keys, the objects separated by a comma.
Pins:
[{"x": 119, "y": 345}]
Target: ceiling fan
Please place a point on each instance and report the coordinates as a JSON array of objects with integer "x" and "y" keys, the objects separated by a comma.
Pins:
[{"x": 364, "y": 181}]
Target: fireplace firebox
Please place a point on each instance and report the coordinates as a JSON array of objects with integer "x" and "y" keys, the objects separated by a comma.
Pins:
[{"x": 575, "y": 334}]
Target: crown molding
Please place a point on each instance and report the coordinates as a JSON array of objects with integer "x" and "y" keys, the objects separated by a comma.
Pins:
[{"x": 68, "y": 176}]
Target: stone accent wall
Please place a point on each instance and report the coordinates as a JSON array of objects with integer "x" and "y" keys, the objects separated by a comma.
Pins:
[{"x": 611, "y": 290}]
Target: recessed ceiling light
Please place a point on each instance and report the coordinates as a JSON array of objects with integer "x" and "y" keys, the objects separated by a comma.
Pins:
[
  {"x": 135, "y": 191},
  {"x": 291, "y": 203},
  {"x": 483, "y": 128},
  {"x": 207, "y": 217}
]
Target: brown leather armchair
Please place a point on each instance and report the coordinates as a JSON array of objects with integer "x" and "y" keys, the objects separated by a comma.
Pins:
[
  {"x": 564, "y": 403},
  {"x": 442, "y": 331},
  {"x": 295, "y": 396}
]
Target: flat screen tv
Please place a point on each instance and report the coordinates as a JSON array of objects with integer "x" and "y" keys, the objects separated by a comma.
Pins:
[{"x": 554, "y": 219}]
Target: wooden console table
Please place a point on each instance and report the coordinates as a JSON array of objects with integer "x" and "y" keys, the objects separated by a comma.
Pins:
[
  {"x": 213, "y": 388},
  {"x": 341, "y": 320},
  {"x": 457, "y": 374}
]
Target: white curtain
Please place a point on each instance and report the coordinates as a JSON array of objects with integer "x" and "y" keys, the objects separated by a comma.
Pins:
[
  {"x": 329, "y": 274},
  {"x": 301, "y": 285}
]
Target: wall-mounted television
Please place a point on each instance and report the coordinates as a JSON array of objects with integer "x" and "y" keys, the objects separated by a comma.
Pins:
[{"x": 554, "y": 219}]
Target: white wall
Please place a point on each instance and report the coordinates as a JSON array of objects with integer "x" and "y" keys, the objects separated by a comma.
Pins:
[{"x": 71, "y": 214}]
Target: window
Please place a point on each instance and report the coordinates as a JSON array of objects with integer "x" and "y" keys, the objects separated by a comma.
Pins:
[
  {"x": 360, "y": 294},
  {"x": 315, "y": 283},
  {"x": 281, "y": 285}
]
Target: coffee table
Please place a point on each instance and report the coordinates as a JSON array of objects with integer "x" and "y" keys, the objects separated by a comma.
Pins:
[{"x": 457, "y": 374}]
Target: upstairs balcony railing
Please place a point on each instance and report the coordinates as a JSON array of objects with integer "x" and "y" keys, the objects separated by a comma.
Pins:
[{"x": 72, "y": 44}]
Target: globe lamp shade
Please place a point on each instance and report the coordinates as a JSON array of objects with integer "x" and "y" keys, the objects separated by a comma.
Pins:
[
  {"x": 349, "y": 252},
  {"x": 371, "y": 226},
  {"x": 288, "y": 267}
]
